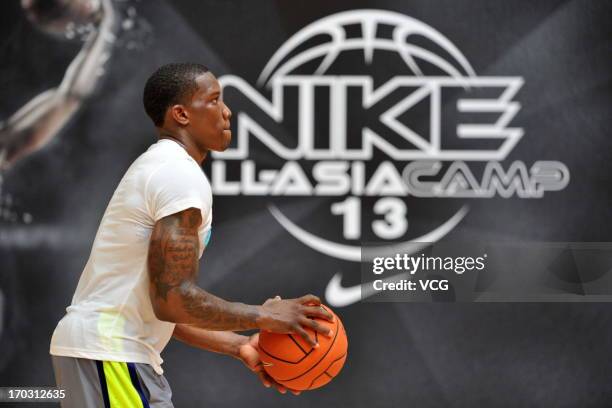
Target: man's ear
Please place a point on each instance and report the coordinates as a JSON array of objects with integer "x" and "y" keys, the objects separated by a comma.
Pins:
[{"x": 179, "y": 114}]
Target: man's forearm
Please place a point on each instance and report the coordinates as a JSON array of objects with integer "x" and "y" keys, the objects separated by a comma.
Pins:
[
  {"x": 197, "y": 307},
  {"x": 173, "y": 268},
  {"x": 223, "y": 342}
]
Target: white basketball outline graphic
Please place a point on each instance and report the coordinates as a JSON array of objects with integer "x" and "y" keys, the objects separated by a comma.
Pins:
[
  {"x": 369, "y": 19},
  {"x": 279, "y": 72}
]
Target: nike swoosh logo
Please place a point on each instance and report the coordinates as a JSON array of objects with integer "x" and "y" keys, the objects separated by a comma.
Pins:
[
  {"x": 340, "y": 296},
  {"x": 335, "y": 293}
]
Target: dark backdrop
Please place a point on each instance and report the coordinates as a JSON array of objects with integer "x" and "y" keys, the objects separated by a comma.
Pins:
[{"x": 400, "y": 354}]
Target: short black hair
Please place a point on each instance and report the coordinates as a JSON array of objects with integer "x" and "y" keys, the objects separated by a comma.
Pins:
[{"x": 167, "y": 86}]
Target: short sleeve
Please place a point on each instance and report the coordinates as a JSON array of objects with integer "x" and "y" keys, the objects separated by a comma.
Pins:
[{"x": 173, "y": 187}]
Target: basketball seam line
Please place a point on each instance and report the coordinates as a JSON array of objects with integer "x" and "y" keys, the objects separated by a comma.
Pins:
[
  {"x": 298, "y": 344},
  {"x": 324, "y": 355},
  {"x": 316, "y": 378},
  {"x": 325, "y": 372},
  {"x": 330, "y": 364},
  {"x": 280, "y": 359}
]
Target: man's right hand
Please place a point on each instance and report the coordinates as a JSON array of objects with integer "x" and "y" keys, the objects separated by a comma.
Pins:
[{"x": 293, "y": 315}]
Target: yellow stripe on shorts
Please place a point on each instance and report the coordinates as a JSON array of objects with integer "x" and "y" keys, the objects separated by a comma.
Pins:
[{"x": 121, "y": 391}]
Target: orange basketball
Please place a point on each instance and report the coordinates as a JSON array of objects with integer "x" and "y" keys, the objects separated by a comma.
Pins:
[{"x": 292, "y": 362}]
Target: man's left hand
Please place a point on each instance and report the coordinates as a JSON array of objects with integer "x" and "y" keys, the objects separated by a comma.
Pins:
[{"x": 248, "y": 353}]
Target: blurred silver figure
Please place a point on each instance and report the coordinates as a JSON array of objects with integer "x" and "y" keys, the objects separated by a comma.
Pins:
[{"x": 39, "y": 120}]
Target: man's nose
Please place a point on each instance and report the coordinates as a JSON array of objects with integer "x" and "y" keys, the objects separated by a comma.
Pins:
[{"x": 227, "y": 112}]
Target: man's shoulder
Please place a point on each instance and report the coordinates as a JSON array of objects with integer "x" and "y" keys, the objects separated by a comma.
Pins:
[
  {"x": 162, "y": 157},
  {"x": 177, "y": 171}
]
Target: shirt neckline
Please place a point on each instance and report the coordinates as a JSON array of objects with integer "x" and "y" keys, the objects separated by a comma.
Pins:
[{"x": 179, "y": 147}]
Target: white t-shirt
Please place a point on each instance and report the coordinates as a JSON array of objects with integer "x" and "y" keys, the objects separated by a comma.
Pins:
[{"x": 111, "y": 317}]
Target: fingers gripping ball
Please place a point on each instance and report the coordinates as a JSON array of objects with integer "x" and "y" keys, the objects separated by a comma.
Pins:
[{"x": 295, "y": 364}]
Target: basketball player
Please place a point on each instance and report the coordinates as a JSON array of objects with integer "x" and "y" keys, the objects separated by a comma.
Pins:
[{"x": 138, "y": 288}]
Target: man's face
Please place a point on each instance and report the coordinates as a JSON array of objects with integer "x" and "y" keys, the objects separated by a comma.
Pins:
[{"x": 209, "y": 117}]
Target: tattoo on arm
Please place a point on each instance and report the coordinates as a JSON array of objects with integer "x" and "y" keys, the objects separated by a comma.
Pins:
[
  {"x": 173, "y": 251},
  {"x": 173, "y": 271},
  {"x": 216, "y": 313}
]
